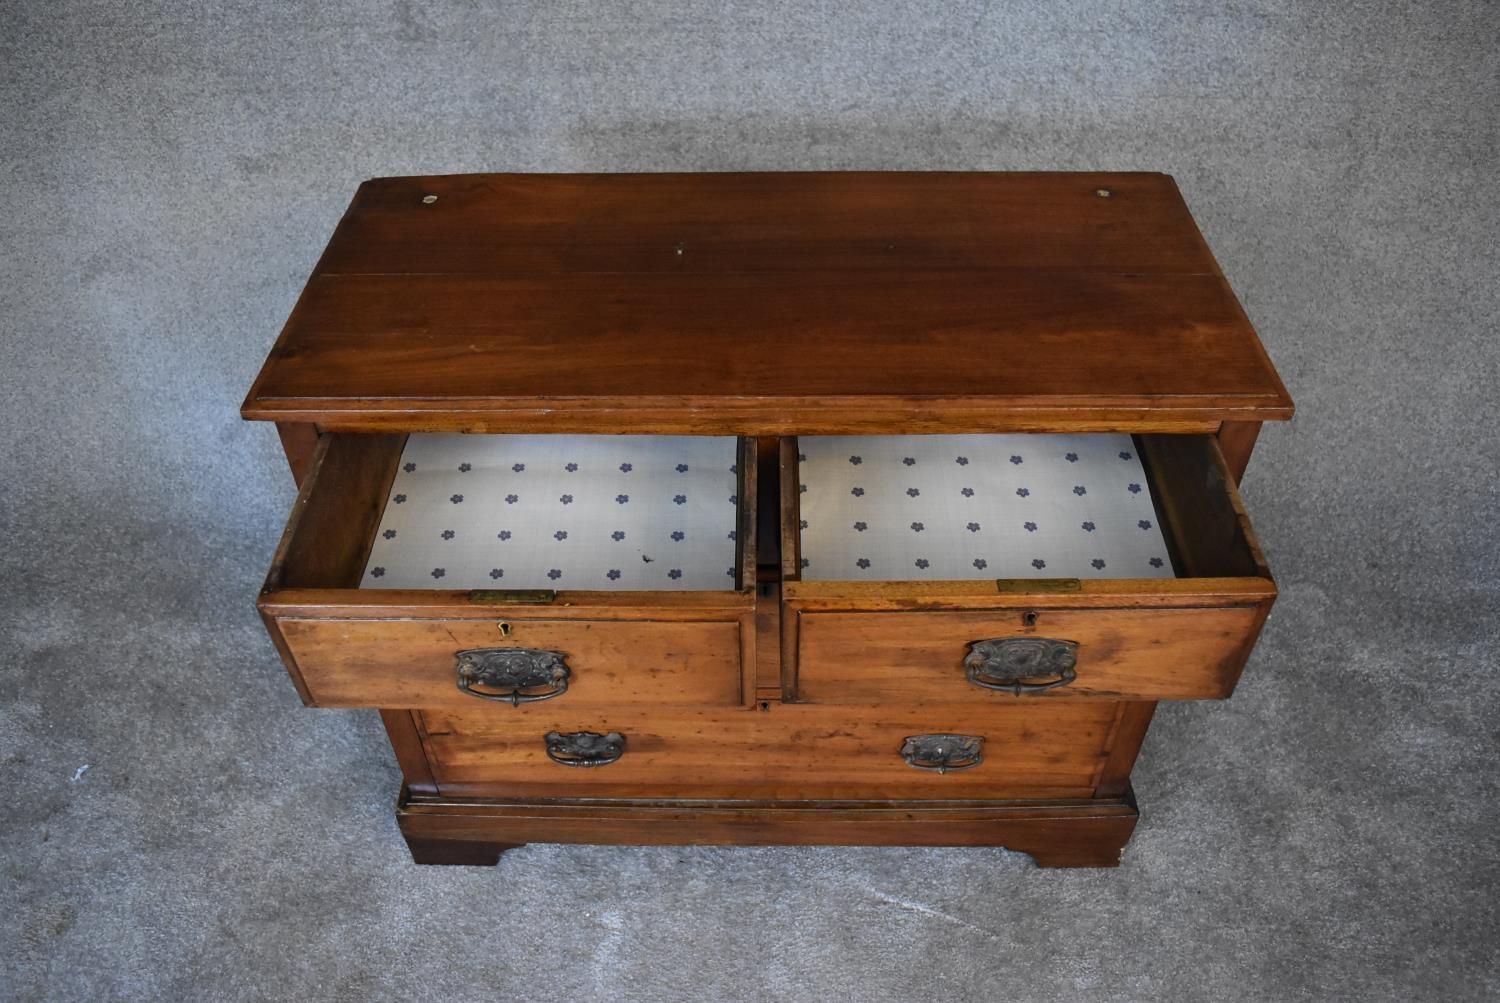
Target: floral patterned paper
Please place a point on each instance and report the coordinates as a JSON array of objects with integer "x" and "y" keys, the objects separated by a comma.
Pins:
[
  {"x": 943, "y": 507},
  {"x": 595, "y": 512}
]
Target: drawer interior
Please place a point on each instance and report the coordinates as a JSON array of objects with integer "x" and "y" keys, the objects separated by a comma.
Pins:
[
  {"x": 596, "y": 513},
  {"x": 926, "y": 508}
]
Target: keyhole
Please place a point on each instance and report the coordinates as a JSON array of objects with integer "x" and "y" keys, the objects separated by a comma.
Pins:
[
  {"x": 504, "y": 626},
  {"x": 1028, "y": 619}
]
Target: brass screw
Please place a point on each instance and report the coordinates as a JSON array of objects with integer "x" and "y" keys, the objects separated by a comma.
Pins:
[
  {"x": 1103, "y": 193},
  {"x": 429, "y": 199}
]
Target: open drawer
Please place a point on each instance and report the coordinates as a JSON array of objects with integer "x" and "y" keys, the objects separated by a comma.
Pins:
[
  {"x": 515, "y": 572},
  {"x": 967, "y": 568}
]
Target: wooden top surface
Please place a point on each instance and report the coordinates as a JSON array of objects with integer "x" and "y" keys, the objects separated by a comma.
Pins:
[{"x": 772, "y": 303}]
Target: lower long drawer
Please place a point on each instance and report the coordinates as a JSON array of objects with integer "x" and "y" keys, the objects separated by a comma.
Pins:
[{"x": 1057, "y": 749}]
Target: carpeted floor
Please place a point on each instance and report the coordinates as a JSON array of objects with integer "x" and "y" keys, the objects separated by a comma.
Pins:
[{"x": 178, "y": 827}]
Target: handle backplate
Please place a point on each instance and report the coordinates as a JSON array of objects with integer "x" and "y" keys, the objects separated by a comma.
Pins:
[
  {"x": 943, "y": 753},
  {"x": 584, "y": 748},
  {"x": 1021, "y": 664},
  {"x": 513, "y": 675}
]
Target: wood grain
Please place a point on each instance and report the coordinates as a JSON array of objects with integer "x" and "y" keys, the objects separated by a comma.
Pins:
[
  {"x": 917, "y": 658},
  {"x": 766, "y": 304},
  {"x": 788, "y": 752}
]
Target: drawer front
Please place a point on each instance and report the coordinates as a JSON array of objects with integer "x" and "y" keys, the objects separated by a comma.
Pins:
[
  {"x": 787, "y": 752},
  {"x": 941, "y": 657},
  {"x": 576, "y": 663}
]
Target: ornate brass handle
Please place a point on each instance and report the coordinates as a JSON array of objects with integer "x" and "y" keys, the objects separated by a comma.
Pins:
[
  {"x": 512, "y": 675},
  {"x": 584, "y": 748},
  {"x": 943, "y": 753},
  {"x": 1021, "y": 664}
]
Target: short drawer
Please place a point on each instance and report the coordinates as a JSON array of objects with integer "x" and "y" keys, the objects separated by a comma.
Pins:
[
  {"x": 1160, "y": 589},
  {"x": 467, "y": 663},
  {"x": 790, "y": 752},
  {"x": 517, "y": 573},
  {"x": 1151, "y": 654}
]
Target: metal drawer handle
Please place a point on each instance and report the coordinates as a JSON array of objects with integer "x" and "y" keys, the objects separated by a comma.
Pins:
[
  {"x": 943, "y": 753},
  {"x": 1014, "y": 664},
  {"x": 512, "y": 675},
  {"x": 584, "y": 748}
]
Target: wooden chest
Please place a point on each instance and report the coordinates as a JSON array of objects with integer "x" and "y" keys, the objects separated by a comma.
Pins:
[{"x": 767, "y": 508}]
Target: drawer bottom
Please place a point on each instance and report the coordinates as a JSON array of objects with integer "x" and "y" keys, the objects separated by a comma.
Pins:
[{"x": 1056, "y": 833}]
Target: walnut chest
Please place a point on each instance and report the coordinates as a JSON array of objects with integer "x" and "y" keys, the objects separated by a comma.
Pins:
[{"x": 767, "y": 508}]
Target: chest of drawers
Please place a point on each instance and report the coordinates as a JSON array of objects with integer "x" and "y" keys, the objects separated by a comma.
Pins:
[{"x": 767, "y": 508}]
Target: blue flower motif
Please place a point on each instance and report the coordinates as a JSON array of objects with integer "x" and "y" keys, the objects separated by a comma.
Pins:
[
  {"x": 856, "y": 460},
  {"x": 377, "y": 572},
  {"x": 734, "y": 535},
  {"x": 457, "y": 499},
  {"x": 1088, "y": 527},
  {"x": 617, "y": 535},
  {"x": 801, "y": 457},
  {"x": 497, "y": 572},
  {"x": 512, "y": 499},
  {"x": 448, "y": 534},
  {"x": 967, "y": 492},
  {"x": 678, "y": 535},
  {"x": 622, "y": 499},
  {"x": 464, "y": 468},
  {"x": 389, "y": 534},
  {"x": 922, "y": 563},
  {"x": 912, "y": 492},
  {"x": 981, "y": 563},
  {"x": 1022, "y": 492},
  {"x": 862, "y": 563},
  {"x": 1155, "y": 562},
  {"x": 729, "y": 572},
  {"x": 962, "y": 461},
  {"x": 804, "y": 562},
  {"x": 917, "y": 527},
  {"x": 1029, "y": 526},
  {"x": 504, "y": 534},
  {"x": 802, "y": 523},
  {"x": 861, "y": 526},
  {"x": 1016, "y": 460},
  {"x": 734, "y": 468},
  {"x": 682, "y": 468},
  {"x": 802, "y": 489},
  {"x": 613, "y": 574},
  {"x": 518, "y": 467},
  {"x": 409, "y": 467},
  {"x": 1071, "y": 457},
  {"x": 1144, "y": 523},
  {"x": 972, "y": 527},
  {"x": 1124, "y": 455},
  {"x": 674, "y": 574},
  {"x": 438, "y": 572},
  {"x": 1038, "y": 563},
  {"x": 1098, "y": 564},
  {"x": 399, "y": 499},
  {"x": 1134, "y": 489},
  {"x": 1080, "y": 490},
  {"x": 560, "y": 535},
  {"x": 679, "y": 499},
  {"x": 909, "y": 461},
  {"x": 554, "y": 574},
  {"x": 571, "y": 468},
  {"x": 735, "y": 499},
  {"x": 858, "y": 492},
  {"x": 626, "y": 468},
  {"x": 566, "y": 499}
]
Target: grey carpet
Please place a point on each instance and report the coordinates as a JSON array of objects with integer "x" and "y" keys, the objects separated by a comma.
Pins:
[{"x": 169, "y": 178}]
